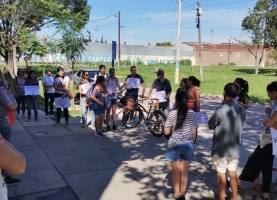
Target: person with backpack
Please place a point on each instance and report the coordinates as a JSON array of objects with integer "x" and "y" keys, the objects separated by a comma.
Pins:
[
  {"x": 18, "y": 84},
  {"x": 112, "y": 84},
  {"x": 83, "y": 100},
  {"x": 32, "y": 100}
]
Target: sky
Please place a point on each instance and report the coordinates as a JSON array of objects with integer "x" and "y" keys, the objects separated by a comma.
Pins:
[{"x": 151, "y": 21}]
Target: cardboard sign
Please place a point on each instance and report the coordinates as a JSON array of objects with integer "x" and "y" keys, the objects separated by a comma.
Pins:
[
  {"x": 274, "y": 141},
  {"x": 31, "y": 90},
  {"x": 62, "y": 103},
  {"x": 202, "y": 117},
  {"x": 133, "y": 82},
  {"x": 159, "y": 95}
]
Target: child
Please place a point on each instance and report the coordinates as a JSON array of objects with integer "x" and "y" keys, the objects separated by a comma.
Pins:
[{"x": 32, "y": 99}]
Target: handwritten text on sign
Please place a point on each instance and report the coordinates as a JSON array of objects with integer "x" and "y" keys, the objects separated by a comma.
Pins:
[
  {"x": 160, "y": 96},
  {"x": 86, "y": 86},
  {"x": 31, "y": 90},
  {"x": 62, "y": 103},
  {"x": 133, "y": 82}
]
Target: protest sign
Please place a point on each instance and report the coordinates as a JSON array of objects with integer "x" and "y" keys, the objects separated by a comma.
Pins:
[
  {"x": 133, "y": 82},
  {"x": 274, "y": 140},
  {"x": 62, "y": 103},
  {"x": 160, "y": 96},
  {"x": 31, "y": 90},
  {"x": 202, "y": 117}
]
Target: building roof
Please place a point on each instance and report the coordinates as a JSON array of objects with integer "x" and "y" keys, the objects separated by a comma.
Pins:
[{"x": 220, "y": 47}]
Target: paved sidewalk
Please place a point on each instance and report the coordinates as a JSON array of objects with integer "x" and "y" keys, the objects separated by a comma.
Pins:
[{"x": 70, "y": 163}]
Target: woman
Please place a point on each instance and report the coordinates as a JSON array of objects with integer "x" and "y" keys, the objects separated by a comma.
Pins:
[
  {"x": 194, "y": 94},
  {"x": 32, "y": 99},
  {"x": 61, "y": 85},
  {"x": 242, "y": 98},
  {"x": 112, "y": 84},
  {"x": 183, "y": 124},
  {"x": 48, "y": 82},
  {"x": 184, "y": 86},
  {"x": 12, "y": 161},
  {"x": 85, "y": 80},
  {"x": 3, "y": 83},
  {"x": 261, "y": 160},
  {"x": 99, "y": 91},
  {"x": 18, "y": 84}
]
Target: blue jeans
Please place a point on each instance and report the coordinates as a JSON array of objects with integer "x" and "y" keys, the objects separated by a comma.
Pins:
[
  {"x": 34, "y": 103},
  {"x": 85, "y": 111},
  {"x": 6, "y": 133}
]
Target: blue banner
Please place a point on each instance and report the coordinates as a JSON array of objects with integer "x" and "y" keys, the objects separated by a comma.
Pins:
[{"x": 114, "y": 50}]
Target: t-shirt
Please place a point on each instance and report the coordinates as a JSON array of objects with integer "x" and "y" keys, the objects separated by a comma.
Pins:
[
  {"x": 20, "y": 83},
  {"x": 134, "y": 91},
  {"x": 243, "y": 96},
  {"x": 4, "y": 101},
  {"x": 61, "y": 84},
  {"x": 228, "y": 121},
  {"x": 96, "y": 75},
  {"x": 184, "y": 134},
  {"x": 48, "y": 80},
  {"x": 111, "y": 85}
]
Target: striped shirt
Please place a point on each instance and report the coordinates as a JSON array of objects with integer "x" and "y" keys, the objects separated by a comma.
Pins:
[{"x": 184, "y": 134}]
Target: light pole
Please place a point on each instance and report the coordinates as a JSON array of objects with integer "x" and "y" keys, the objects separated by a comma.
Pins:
[
  {"x": 178, "y": 44},
  {"x": 211, "y": 35}
]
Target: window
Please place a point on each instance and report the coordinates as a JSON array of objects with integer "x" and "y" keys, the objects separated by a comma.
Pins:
[{"x": 79, "y": 73}]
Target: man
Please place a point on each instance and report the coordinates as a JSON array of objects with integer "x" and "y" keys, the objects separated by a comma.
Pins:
[
  {"x": 162, "y": 84},
  {"x": 227, "y": 123},
  {"x": 102, "y": 72},
  {"x": 49, "y": 90},
  {"x": 7, "y": 102},
  {"x": 132, "y": 92},
  {"x": 112, "y": 84}
]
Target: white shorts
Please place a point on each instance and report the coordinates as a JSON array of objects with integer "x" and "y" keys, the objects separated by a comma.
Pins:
[{"x": 221, "y": 164}]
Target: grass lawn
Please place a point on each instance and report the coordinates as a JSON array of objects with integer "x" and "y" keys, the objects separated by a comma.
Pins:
[{"x": 215, "y": 78}]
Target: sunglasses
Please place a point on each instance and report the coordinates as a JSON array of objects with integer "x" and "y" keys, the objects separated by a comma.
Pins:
[{"x": 86, "y": 74}]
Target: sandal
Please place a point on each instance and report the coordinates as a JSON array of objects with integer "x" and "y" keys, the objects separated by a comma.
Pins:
[{"x": 254, "y": 198}]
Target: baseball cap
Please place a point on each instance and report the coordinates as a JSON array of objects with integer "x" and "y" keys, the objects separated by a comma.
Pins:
[{"x": 160, "y": 71}]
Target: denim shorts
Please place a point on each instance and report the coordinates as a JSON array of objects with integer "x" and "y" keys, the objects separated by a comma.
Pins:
[
  {"x": 98, "y": 109},
  {"x": 180, "y": 152},
  {"x": 113, "y": 102}
]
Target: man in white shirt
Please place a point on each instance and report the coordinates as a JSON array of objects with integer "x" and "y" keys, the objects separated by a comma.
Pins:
[
  {"x": 102, "y": 72},
  {"x": 47, "y": 82}
]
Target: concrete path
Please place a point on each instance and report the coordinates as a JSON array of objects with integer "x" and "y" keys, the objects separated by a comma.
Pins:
[{"x": 70, "y": 163}]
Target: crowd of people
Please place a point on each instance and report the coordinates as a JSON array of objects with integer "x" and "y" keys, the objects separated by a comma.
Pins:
[{"x": 180, "y": 126}]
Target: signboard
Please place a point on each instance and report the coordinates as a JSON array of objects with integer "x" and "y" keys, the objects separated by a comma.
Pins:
[
  {"x": 159, "y": 95},
  {"x": 113, "y": 50},
  {"x": 133, "y": 82},
  {"x": 62, "y": 103},
  {"x": 202, "y": 117},
  {"x": 31, "y": 90}
]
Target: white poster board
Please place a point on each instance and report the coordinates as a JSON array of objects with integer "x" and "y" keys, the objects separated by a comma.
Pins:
[
  {"x": 274, "y": 141},
  {"x": 108, "y": 100},
  {"x": 133, "y": 82},
  {"x": 31, "y": 90},
  {"x": 202, "y": 117},
  {"x": 159, "y": 95},
  {"x": 62, "y": 103},
  {"x": 86, "y": 86}
]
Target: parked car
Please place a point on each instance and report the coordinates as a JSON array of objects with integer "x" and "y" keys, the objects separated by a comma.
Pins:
[{"x": 78, "y": 74}]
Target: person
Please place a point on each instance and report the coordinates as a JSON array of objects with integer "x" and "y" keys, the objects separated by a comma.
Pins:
[
  {"x": 32, "y": 99},
  {"x": 131, "y": 91},
  {"x": 99, "y": 91},
  {"x": 181, "y": 123},
  {"x": 85, "y": 80},
  {"x": 227, "y": 122},
  {"x": 184, "y": 86},
  {"x": 18, "y": 84},
  {"x": 162, "y": 84},
  {"x": 3, "y": 83},
  {"x": 7, "y": 107},
  {"x": 194, "y": 94},
  {"x": 112, "y": 83},
  {"x": 49, "y": 90},
  {"x": 61, "y": 85},
  {"x": 12, "y": 161},
  {"x": 261, "y": 160},
  {"x": 102, "y": 72},
  {"x": 242, "y": 98}
]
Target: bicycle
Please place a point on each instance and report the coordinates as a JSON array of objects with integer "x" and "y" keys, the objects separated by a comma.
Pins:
[{"x": 154, "y": 119}]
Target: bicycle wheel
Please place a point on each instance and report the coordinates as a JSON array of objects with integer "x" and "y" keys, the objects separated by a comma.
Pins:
[
  {"x": 155, "y": 123},
  {"x": 134, "y": 118}
]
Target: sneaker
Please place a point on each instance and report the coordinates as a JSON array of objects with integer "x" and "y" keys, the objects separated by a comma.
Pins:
[
  {"x": 29, "y": 119},
  {"x": 98, "y": 133},
  {"x": 51, "y": 115},
  {"x": 12, "y": 181},
  {"x": 36, "y": 119},
  {"x": 46, "y": 116},
  {"x": 24, "y": 116},
  {"x": 17, "y": 116},
  {"x": 115, "y": 127},
  {"x": 103, "y": 131},
  {"x": 128, "y": 124},
  {"x": 108, "y": 128},
  {"x": 172, "y": 196}
]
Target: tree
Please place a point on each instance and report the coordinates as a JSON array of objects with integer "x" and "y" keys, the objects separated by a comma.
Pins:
[
  {"x": 20, "y": 18},
  {"x": 165, "y": 44},
  {"x": 72, "y": 45},
  {"x": 272, "y": 54},
  {"x": 102, "y": 40}
]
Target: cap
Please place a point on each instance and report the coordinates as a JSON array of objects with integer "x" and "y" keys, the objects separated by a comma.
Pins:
[{"x": 160, "y": 71}]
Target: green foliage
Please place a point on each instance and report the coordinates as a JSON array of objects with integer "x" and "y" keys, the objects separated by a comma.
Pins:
[
  {"x": 186, "y": 62},
  {"x": 221, "y": 64},
  {"x": 165, "y": 44},
  {"x": 232, "y": 64},
  {"x": 272, "y": 54},
  {"x": 126, "y": 62},
  {"x": 140, "y": 63}
]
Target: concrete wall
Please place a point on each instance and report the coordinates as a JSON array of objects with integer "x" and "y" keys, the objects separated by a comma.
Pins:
[
  {"x": 99, "y": 52},
  {"x": 213, "y": 58}
]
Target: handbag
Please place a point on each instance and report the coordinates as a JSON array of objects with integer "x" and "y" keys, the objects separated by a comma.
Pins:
[{"x": 70, "y": 95}]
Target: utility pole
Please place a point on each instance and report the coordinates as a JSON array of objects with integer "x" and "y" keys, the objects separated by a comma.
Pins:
[
  {"x": 118, "y": 62},
  {"x": 178, "y": 44},
  {"x": 229, "y": 52},
  {"x": 198, "y": 14},
  {"x": 211, "y": 36}
]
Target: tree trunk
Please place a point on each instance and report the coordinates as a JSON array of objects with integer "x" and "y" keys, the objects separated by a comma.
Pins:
[
  {"x": 256, "y": 65},
  {"x": 9, "y": 62},
  {"x": 73, "y": 88},
  {"x": 14, "y": 59}
]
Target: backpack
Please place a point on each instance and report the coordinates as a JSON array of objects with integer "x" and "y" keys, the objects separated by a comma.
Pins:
[{"x": 10, "y": 116}]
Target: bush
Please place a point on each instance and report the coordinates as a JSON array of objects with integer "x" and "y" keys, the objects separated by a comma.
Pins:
[
  {"x": 232, "y": 64},
  {"x": 140, "y": 63},
  {"x": 221, "y": 64},
  {"x": 186, "y": 62}
]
